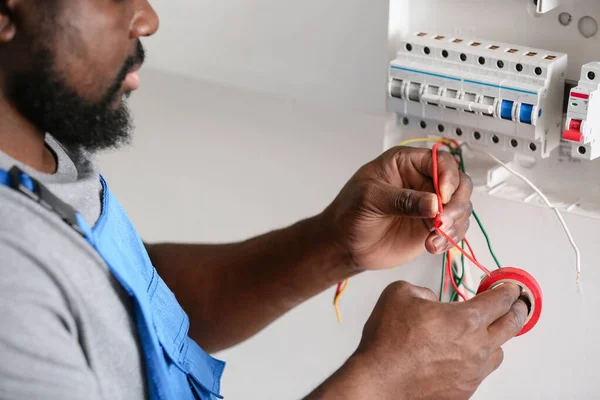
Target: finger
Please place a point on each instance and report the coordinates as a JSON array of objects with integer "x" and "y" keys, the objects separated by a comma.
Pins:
[
  {"x": 424, "y": 293},
  {"x": 493, "y": 363},
  {"x": 391, "y": 200},
  {"x": 508, "y": 326},
  {"x": 403, "y": 288},
  {"x": 437, "y": 244},
  {"x": 460, "y": 205},
  {"x": 455, "y": 218},
  {"x": 496, "y": 303},
  {"x": 448, "y": 174},
  {"x": 459, "y": 208}
]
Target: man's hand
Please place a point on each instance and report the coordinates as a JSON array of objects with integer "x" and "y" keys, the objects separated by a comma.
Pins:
[
  {"x": 414, "y": 347},
  {"x": 384, "y": 215}
]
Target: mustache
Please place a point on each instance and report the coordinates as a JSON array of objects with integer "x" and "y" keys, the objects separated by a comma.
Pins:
[{"x": 136, "y": 59}]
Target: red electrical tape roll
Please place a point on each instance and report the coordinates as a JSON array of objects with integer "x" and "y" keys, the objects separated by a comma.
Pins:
[{"x": 523, "y": 279}]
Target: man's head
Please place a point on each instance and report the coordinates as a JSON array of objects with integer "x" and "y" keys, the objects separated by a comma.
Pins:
[{"x": 66, "y": 65}]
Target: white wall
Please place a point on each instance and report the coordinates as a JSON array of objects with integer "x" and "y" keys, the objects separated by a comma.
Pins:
[
  {"x": 219, "y": 164},
  {"x": 328, "y": 51}
]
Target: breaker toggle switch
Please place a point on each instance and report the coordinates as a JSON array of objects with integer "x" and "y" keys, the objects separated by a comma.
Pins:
[
  {"x": 575, "y": 124},
  {"x": 574, "y": 132}
]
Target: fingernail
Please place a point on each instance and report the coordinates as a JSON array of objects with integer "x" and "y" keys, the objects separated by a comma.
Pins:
[
  {"x": 428, "y": 205},
  {"x": 439, "y": 243}
]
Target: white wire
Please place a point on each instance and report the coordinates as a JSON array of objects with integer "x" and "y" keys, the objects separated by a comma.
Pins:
[{"x": 545, "y": 199}]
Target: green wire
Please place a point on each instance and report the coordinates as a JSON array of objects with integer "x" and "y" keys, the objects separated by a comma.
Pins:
[
  {"x": 460, "y": 282},
  {"x": 487, "y": 239},
  {"x": 485, "y": 234},
  {"x": 465, "y": 286},
  {"x": 443, "y": 276}
]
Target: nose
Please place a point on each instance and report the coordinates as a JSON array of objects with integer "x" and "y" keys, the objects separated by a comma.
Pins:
[{"x": 145, "y": 20}]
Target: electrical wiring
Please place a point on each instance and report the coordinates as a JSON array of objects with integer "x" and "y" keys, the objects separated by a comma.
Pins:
[
  {"x": 470, "y": 249},
  {"x": 453, "y": 243},
  {"x": 430, "y": 140},
  {"x": 487, "y": 239},
  {"x": 460, "y": 283},
  {"x": 438, "y": 221},
  {"x": 547, "y": 202},
  {"x": 483, "y": 231},
  {"x": 342, "y": 286},
  {"x": 443, "y": 275},
  {"x": 449, "y": 271}
]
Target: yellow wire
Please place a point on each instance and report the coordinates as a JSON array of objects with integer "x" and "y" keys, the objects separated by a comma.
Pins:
[
  {"x": 336, "y": 301},
  {"x": 420, "y": 140}
]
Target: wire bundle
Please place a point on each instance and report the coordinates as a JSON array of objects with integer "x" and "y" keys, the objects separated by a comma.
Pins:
[{"x": 447, "y": 266}]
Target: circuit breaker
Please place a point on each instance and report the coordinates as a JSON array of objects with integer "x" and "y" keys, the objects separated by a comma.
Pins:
[
  {"x": 582, "y": 126},
  {"x": 485, "y": 92},
  {"x": 519, "y": 79}
]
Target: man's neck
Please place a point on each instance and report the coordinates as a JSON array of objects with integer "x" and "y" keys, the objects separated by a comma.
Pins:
[{"x": 22, "y": 141}]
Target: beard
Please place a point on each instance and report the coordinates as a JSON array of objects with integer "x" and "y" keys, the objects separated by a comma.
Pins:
[{"x": 47, "y": 101}]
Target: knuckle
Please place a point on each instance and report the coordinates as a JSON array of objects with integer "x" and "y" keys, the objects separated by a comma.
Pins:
[
  {"x": 474, "y": 320},
  {"x": 508, "y": 297},
  {"x": 426, "y": 293},
  {"x": 467, "y": 224},
  {"x": 404, "y": 201},
  {"x": 469, "y": 208},
  {"x": 515, "y": 320},
  {"x": 446, "y": 157},
  {"x": 499, "y": 358},
  {"x": 403, "y": 288},
  {"x": 466, "y": 180},
  {"x": 399, "y": 287}
]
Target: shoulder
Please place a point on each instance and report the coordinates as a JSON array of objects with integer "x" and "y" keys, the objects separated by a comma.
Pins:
[
  {"x": 39, "y": 329},
  {"x": 41, "y": 244}
]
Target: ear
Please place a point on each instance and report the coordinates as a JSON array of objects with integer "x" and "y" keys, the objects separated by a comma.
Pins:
[{"x": 7, "y": 25}]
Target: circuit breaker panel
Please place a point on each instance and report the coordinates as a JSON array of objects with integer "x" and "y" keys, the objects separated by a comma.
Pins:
[
  {"x": 502, "y": 95},
  {"x": 519, "y": 79}
]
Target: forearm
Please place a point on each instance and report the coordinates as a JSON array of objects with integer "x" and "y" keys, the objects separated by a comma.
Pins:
[
  {"x": 232, "y": 291},
  {"x": 353, "y": 381}
]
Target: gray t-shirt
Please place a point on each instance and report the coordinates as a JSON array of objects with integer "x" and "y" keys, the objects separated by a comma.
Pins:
[{"x": 66, "y": 326}]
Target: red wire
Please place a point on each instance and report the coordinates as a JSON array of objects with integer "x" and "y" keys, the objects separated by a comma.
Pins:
[
  {"x": 449, "y": 269},
  {"x": 337, "y": 291},
  {"x": 470, "y": 248},
  {"x": 438, "y": 219},
  {"x": 436, "y": 183},
  {"x": 453, "y": 243},
  {"x": 446, "y": 281}
]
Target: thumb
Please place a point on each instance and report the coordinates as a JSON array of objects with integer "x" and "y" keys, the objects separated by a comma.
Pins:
[{"x": 407, "y": 203}]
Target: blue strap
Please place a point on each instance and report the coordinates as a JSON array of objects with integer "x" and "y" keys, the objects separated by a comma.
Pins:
[
  {"x": 24, "y": 184},
  {"x": 25, "y": 180}
]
